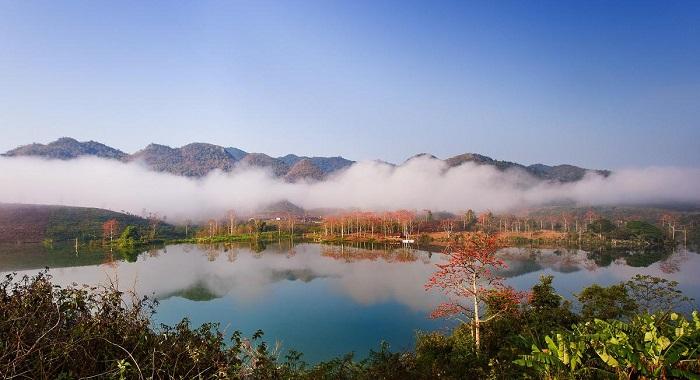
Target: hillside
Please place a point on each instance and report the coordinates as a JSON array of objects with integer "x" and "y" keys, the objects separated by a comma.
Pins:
[
  {"x": 304, "y": 169},
  {"x": 22, "y": 223},
  {"x": 67, "y": 148},
  {"x": 192, "y": 160},
  {"x": 325, "y": 164},
  {"x": 561, "y": 173},
  {"x": 280, "y": 208},
  {"x": 261, "y": 160},
  {"x": 198, "y": 159}
]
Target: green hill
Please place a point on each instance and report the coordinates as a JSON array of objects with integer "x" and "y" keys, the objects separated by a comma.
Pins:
[{"x": 23, "y": 223}]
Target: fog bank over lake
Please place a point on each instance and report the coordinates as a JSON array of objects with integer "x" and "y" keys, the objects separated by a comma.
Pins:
[{"x": 421, "y": 183}]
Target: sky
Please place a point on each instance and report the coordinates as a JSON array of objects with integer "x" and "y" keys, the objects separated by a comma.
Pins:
[{"x": 594, "y": 83}]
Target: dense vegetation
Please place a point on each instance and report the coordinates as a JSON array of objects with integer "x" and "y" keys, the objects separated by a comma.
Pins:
[
  {"x": 54, "y": 224},
  {"x": 624, "y": 331}
]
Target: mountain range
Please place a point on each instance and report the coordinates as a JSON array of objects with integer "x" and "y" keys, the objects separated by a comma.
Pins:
[{"x": 198, "y": 159}]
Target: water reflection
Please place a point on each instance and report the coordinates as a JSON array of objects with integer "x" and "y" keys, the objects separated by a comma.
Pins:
[
  {"x": 575, "y": 269},
  {"x": 326, "y": 299},
  {"x": 364, "y": 272},
  {"x": 365, "y": 275}
]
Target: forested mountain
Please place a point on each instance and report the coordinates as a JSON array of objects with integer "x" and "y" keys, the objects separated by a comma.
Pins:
[
  {"x": 304, "y": 169},
  {"x": 192, "y": 160},
  {"x": 198, "y": 159},
  {"x": 562, "y": 173},
  {"x": 324, "y": 164},
  {"x": 262, "y": 160},
  {"x": 67, "y": 148}
]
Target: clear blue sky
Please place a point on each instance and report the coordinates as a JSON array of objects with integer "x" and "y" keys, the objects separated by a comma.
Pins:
[{"x": 599, "y": 84}]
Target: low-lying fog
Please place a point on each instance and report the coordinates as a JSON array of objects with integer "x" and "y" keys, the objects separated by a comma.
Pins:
[{"x": 421, "y": 183}]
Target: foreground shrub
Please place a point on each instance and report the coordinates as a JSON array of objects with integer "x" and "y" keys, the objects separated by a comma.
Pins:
[
  {"x": 659, "y": 346},
  {"x": 51, "y": 332}
]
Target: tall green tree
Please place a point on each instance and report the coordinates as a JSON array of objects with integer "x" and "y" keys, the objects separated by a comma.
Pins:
[
  {"x": 612, "y": 302},
  {"x": 547, "y": 311},
  {"x": 654, "y": 294}
]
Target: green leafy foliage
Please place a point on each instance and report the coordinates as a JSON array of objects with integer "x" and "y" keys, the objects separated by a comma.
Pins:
[
  {"x": 129, "y": 238},
  {"x": 548, "y": 311},
  {"x": 645, "y": 231},
  {"x": 606, "y": 302},
  {"x": 654, "y": 294},
  {"x": 449, "y": 356},
  {"x": 650, "y": 346},
  {"x": 601, "y": 226}
]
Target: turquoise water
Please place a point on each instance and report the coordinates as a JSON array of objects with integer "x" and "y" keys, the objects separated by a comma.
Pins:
[{"x": 322, "y": 300}]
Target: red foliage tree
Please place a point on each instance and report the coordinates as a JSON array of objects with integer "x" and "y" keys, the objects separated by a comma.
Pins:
[
  {"x": 468, "y": 281},
  {"x": 109, "y": 229}
]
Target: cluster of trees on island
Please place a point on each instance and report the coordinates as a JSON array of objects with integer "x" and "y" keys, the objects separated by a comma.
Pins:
[
  {"x": 638, "y": 329},
  {"x": 588, "y": 229}
]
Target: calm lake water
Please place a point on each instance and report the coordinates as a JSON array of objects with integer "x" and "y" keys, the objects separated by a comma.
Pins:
[{"x": 323, "y": 300}]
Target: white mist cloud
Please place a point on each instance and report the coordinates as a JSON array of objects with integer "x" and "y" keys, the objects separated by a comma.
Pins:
[{"x": 421, "y": 183}]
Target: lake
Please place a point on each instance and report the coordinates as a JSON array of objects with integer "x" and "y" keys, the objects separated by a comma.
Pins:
[{"x": 323, "y": 300}]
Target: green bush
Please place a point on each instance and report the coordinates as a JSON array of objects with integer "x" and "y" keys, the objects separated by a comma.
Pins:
[
  {"x": 129, "y": 238},
  {"x": 645, "y": 231},
  {"x": 601, "y": 226},
  {"x": 648, "y": 347},
  {"x": 51, "y": 332}
]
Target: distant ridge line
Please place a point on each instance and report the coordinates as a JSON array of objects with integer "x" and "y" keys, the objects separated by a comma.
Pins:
[{"x": 198, "y": 159}]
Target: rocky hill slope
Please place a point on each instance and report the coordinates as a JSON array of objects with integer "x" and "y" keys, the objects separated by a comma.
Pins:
[{"x": 198, "y": 159}]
